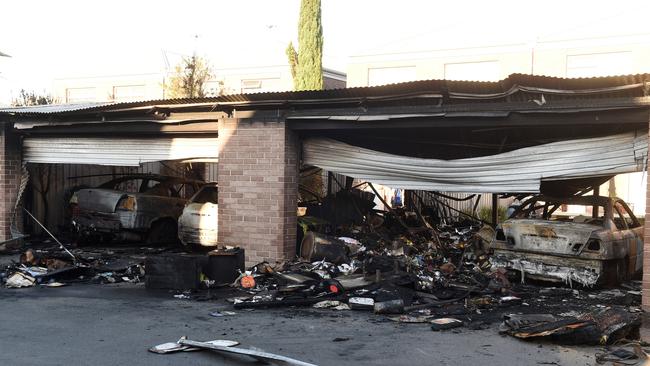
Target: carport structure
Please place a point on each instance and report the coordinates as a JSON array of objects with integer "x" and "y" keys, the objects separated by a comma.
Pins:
[{"x": 264, "y": 138}]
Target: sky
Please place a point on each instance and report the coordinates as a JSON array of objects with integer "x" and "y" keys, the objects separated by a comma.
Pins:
[{"x": 65, "y": 38}]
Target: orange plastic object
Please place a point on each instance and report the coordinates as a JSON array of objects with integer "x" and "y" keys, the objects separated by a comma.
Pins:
[{"x": 247, "y": 282}]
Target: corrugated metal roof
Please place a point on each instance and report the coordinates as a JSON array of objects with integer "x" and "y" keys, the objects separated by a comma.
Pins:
[
  {"x": 55, "y": 108},
  {"x": 449, "y": 90}
]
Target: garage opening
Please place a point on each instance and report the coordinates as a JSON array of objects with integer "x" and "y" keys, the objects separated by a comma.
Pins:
[{"x": 98, "y": 190}]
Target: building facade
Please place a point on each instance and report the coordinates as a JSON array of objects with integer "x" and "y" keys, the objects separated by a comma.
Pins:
[
  {"x": 578, "y": 57},
  {"x": 558, "y": 57},
  {"x": 139, "y": 87}
]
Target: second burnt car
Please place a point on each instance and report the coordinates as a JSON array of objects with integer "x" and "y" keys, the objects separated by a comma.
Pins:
[
  {"x": 604, "y": 246},
  {"x": 137, "y": 207},
  {"x": 198, "y": 226}
]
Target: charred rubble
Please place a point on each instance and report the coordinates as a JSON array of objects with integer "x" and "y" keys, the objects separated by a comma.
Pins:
[
  {"x": 424, "y": 266},
  {"x": 409, "y": 270}
]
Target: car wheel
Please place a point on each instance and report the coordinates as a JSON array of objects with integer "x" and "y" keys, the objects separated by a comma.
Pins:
[{"x": 163, "y": 232}]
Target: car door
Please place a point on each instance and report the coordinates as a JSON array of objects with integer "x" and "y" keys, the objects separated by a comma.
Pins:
[{"x": 633, "y": 235}]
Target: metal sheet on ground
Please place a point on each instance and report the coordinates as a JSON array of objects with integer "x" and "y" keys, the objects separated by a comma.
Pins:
[
  {"x": 171, "y": 347},
  {"x": 242, "y": 351}
]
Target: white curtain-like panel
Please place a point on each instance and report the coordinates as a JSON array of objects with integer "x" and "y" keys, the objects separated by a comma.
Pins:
[
  {"x": 520, "y": 170},
  {"x": 116, "y": 151}
]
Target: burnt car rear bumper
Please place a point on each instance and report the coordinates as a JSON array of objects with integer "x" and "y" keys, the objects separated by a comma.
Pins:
[
  {"x": 98, "y": 222},
  {"x": 587, "y": 272},
  {"x": 120, "y": 225},
  {"x": 203, "y": 237}
]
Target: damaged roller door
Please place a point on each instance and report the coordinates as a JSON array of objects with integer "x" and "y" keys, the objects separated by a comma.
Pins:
[
  {"x": 117, "y": 151},
  {"x": 520, "y": 170}
]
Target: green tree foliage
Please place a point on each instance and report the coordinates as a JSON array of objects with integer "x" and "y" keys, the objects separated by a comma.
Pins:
[
  {"x": 27, "y": 98},
  {"x": 189, "y": 78},
  {"x": 292, "y": 55},
  {"x": 307, "y": 63}
]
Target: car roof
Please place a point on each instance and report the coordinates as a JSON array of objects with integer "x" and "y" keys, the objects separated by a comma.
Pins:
[{"x": 154, "y": 177}]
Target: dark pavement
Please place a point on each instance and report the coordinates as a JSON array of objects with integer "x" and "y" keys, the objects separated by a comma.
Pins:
[{"x": 85, "y": 324}]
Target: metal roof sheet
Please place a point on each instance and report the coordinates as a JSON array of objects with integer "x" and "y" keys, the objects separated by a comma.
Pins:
[
  {"x": 464, "y": 91},
  {"x": 55, "y": 108}
]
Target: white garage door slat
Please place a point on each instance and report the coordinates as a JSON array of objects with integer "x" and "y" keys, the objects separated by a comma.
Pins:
[
  {"x": 515, "y": 171},
  {"x": 116, "y": 151}
]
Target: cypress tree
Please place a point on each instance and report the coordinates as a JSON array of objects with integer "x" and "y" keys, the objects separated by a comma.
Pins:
[{"x": 308, "y": 63}]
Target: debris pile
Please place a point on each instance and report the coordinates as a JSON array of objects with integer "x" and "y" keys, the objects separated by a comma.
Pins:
[
  {"x": 46, "y": 265},
  {"x": 410, "y": 266},
  {"x": 402, "y": 267},
  {"x": 602, "y": 327}
]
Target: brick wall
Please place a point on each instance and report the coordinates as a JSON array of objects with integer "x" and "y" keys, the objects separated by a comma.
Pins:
[
  {"x": 646, "y": 250},
  {"x": 10, "y": 161},
  {"x": 258, "y": 188}
]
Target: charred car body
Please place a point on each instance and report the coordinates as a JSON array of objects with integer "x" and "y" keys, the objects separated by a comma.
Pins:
[
  {"x": 131, "y": 208},
  {"x": 199, "y": 225},
  {"x": 605, "y": 247}
]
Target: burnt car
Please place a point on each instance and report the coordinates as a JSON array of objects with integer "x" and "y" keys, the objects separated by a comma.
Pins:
[
  {"x": 139, "y": 207},
  {"x": 604, "y": 247},
  {"x": 198, "y": 225}
]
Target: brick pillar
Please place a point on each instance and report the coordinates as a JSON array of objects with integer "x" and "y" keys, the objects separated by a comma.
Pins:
[
  {"x": 645, "y": 300},
  {"x": 258, "y": 188},
  {"x": 10, "y": 162}
]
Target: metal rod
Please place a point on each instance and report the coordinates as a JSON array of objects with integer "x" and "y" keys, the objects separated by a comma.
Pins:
[
  {"x": 478, "y": 200},
  {"x": 453, "y": 198},
  {"x": 438, "y": 202},
  {"x": 61, "y": 246}
]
